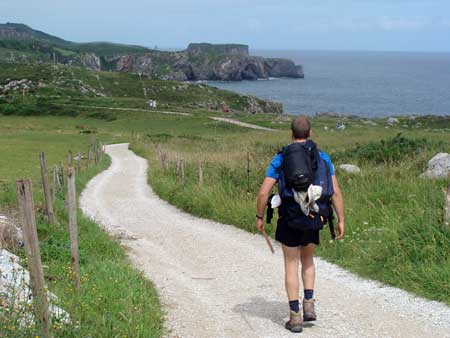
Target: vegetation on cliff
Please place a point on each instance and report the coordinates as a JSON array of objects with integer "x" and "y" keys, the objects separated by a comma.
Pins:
[{"x": 203, "y": 61}]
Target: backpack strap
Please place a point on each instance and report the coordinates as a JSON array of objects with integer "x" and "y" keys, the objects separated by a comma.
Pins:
[{"x": 280, "y": 168}]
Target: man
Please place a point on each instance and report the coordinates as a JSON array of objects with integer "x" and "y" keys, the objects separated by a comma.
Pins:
[{"x": 298, "y": 245}]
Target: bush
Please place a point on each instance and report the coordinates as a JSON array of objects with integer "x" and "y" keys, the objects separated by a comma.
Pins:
[{"x": 392, "y": 150}]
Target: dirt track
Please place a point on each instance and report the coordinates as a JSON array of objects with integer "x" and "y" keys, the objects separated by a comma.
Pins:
[{"x": 218, "y": 281}]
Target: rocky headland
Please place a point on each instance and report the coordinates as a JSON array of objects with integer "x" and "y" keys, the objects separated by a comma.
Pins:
[{"x": 200, "y": 61}]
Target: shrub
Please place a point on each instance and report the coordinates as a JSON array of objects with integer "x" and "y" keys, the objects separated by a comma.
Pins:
[{"x": 392, "y": 150}]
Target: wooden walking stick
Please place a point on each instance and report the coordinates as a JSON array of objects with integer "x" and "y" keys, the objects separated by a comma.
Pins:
[{"x": 269, "y": 243}]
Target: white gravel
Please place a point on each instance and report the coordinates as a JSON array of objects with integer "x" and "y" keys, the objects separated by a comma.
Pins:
[
  {"x": 215, "y": 280},
  {"x": 239, "y": 123}
]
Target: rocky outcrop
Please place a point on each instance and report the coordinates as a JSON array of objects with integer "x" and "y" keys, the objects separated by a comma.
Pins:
[
  {"x": 349, "y": 168},
  {"x": 91, "y": 61},
  {"x": 258, "y": 106},
  {"x": 231, "y": 49},
  {"x": 438, "y": 167},
  {"x": 199, "y": 62},
  {"x": 283, "y": 68}
]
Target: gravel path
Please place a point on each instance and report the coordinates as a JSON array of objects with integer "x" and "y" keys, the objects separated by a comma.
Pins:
[
  {"x": 239, "y": 123},
  {"x": 215, "y": 280}
]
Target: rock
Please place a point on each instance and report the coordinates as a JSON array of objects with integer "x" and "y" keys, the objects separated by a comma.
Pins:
[
  {"x": 325, "y": 128},
  {"x": 349, "y": 168},
  {"x": 283, "y": 68},
  {"x": 91, "y": 61},
  {"x": 16, "y": 292},
  {"x": 205, "y": 62},
  {"x": 10, "y": 233},
  {"x": 340, "y": 126},
  {"x": 438, "y": 167},
  {"x": 392, "y": 120},
  {"x": 255, "y": 105},
  {"x": 232, "y": 49}
]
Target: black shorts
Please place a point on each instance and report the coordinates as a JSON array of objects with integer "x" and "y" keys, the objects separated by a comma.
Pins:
[{"x": 293, "y": 237}]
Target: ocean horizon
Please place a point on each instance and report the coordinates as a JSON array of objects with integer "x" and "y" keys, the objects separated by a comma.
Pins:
[{"x": 362, "y": 83}]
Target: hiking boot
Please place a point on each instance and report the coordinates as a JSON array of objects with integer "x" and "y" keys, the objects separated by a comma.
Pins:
[
  {"x": 309, "y": 314},
  {"x": 295, "y": 323}
]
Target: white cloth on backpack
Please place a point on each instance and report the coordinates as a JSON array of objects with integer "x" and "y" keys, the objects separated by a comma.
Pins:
[
  {"x": 307, "y": 199},
  {"x": 275, "y": 202}
]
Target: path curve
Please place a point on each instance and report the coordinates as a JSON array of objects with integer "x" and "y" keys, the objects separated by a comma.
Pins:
[
  {"x": 215, "y": 280},
  {"x": 239, "y": 123}
]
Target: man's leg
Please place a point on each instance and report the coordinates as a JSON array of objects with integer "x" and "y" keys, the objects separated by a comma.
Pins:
[
  {"x": 308, "y": 268},
  {"x": 308, "y": 277},
  {"x": 291, "y": 263}
]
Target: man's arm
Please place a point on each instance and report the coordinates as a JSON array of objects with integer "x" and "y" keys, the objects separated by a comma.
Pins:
[
  {"x": 338, "y": 205},
  {"x": 263, "y": 197}
]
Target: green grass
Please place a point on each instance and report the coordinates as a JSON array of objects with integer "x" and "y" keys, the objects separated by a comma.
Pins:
[
  {"x": 115, "y": 300},
  {"x": 394, "y": 219},
  {"x": 394, "y": 228},
  {"x": 63, "y": 89}
]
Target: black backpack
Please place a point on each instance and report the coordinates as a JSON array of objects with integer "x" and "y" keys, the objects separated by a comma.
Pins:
[{"x": 300, "y": 164}]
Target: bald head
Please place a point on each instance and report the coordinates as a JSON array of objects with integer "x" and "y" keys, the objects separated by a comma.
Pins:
[{"x": 301, "y": 128}]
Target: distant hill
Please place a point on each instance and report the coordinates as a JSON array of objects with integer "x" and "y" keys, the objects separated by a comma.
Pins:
[{"x": 200, "y": 61}]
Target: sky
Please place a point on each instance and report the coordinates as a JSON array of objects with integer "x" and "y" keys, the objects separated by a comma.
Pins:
[{"x": 381, "y": 25}]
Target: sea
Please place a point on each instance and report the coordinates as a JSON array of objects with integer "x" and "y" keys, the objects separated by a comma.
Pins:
[{"x": 367, "y": 84}]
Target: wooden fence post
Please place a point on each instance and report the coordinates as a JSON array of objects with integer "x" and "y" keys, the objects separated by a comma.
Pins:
[
  {"x": 38, "y": 289},
  {"x": 182, "y": 169},
  {"x": 70, "y": 158},
  {"x": 96, "y": 153},
  {"x": 63, "y": 179},
  {"x": 47, "y": 193},
  {"x": 56, "y": 180},
  {"x": 99, "y": 150},
  {"x": 79, "y": 163},
  {"x": 200, "y": 172},
  {"x": 72, "y": 199},
  {"x": 447, "y": 207},
  {"x": 178, "y": 167},
  {"x": 88, "y": 159},
  {"x": 248, "y": 171}
]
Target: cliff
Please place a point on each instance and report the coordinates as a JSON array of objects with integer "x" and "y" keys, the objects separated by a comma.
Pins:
[{"x": 200, "y": 61}]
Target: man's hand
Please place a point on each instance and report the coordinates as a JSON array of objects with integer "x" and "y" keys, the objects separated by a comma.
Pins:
[
  {"x": 260, "y": 224},
  {"x": 340, "y": 230}
]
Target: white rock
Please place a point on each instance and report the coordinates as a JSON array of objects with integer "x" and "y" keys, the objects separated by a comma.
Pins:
[
  {"x": 10, "y": 233},
  {"x": 15, "y": 288},
  {"x": 438, "y": 166},
  {"x": 325, "y": 128},
  {"x": 350, "y": 168},
  {"x": 340, "y": 126},
  {"x": 392, "y": 121}
]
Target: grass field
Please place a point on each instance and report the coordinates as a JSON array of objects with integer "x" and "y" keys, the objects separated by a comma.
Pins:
[
  {"x": 394, "y": 230},
  {"x": 115, "y": 300}
]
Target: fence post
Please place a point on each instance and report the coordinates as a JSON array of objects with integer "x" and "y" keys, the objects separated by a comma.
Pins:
[
  {"x": 47, "y": 193},
  {"x": 38, "y": 289},
  {"x": 96, "y": 153},
  {"x": 56, "y": 180},
  {"x": 178, "y": 167},
  {"x": 79, "y": 163},
  {"x": 70, "y": 158},
  {"x": 248, "y": 171},
  {"x": 88, "y": 159},
  {"x": 72, "y": 199},
  {"x": 182, "y": 169},
  {"x": 63, "y": 179},
  {"x": 200, "y": 172},
  {"x": 447, "y": 207}
]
